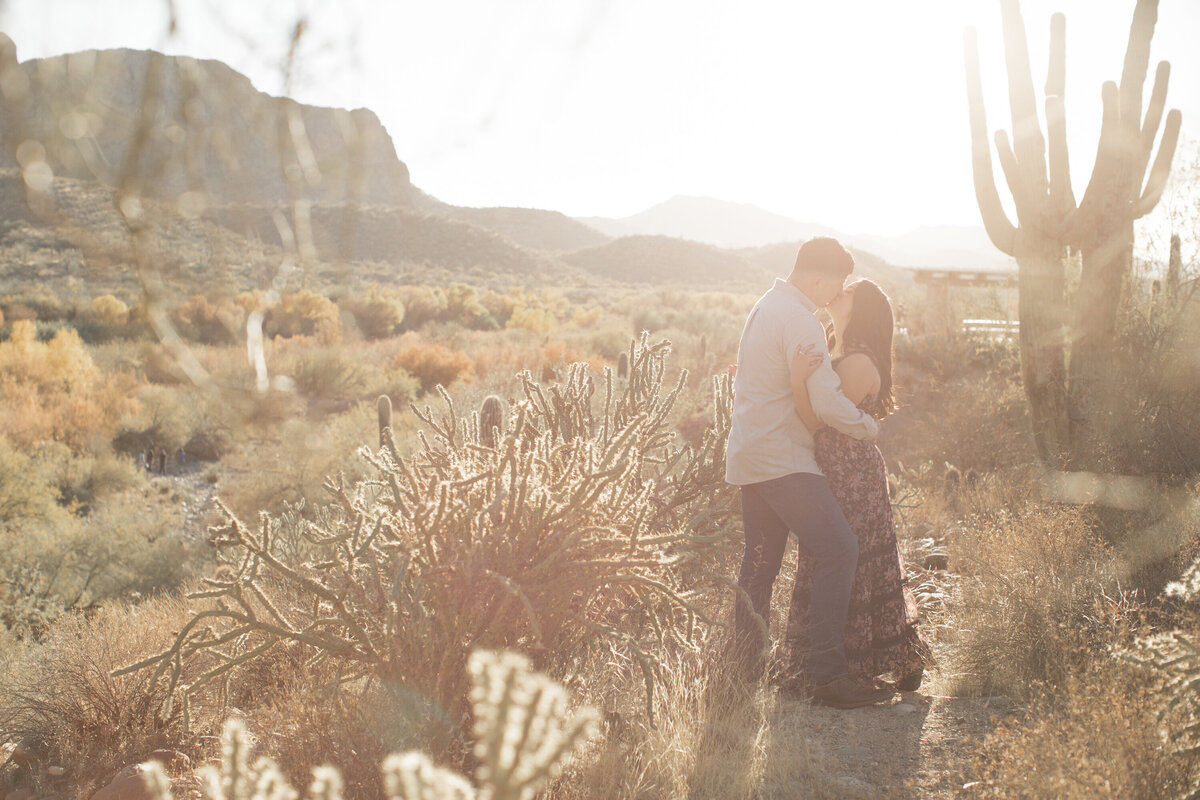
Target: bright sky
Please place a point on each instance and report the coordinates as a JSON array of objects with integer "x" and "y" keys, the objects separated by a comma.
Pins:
[{"x": 850, "y": 114}]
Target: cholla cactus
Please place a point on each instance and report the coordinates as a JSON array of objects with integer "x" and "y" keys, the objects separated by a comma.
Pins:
[
  {"x": 413, "y": 776},
  {"x": 588, "y": 525},
  {"x": 623, "y": 366},
  {"x": 524, "y": 734},
  {"x": 525, "y": 737}
]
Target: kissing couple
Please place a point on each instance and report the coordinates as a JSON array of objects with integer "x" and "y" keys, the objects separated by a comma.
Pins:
[{"x": 806, "y": 409}]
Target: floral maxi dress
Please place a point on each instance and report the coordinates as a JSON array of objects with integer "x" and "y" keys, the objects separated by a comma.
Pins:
[{"x": 881, "y": 628}]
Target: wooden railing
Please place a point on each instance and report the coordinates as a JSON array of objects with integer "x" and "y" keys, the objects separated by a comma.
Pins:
[{"x": 993, "y": 328}]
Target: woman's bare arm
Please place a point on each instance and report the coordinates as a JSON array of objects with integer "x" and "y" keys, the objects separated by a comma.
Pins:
[{"x": 859, "y": 376}]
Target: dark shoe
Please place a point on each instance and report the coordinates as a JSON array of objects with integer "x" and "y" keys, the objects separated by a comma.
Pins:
[
  {"x": 845, "y": 692},
  {"x": 911, "y": 682}
]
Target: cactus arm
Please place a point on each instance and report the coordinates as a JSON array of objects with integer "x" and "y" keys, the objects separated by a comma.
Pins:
[
  {"x": 1056, "y": 72},
  {"x": 1028, "y": 144},
  {"x": 1107, "y": 157},
  {"x": 1012, "y": 174},
  {"x": 1137, "y": 62},
  {"x": 999, "y": 229},
  {"x": 1162, "y": 166},
  {"x": 1062, "y": 197},
  {"x": 1154, "y": 112}
]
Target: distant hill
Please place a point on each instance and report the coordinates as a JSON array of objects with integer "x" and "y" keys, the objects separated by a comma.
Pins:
[
  {"x": 344, "y": 233},
  {"x": 739, "y": 225},
  {"x": 715, "y": 222},
  {"x": 529, "y": 227},
  {"x": 163, "y": 125},
  {"x": 665, "y": 260}
]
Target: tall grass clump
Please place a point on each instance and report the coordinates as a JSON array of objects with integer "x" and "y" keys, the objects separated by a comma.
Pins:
[
  {"x": 585, "y": 527},
  {"x": 1035, "y": 600}
]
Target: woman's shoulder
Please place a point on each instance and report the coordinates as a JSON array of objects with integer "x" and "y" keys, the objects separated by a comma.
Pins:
[
  {"x": 859, "y": 362},
  {"x": 860, "y": 377}
]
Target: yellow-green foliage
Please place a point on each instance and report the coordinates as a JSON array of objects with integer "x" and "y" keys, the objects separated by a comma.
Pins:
[
  {"x": 53, "y": 390},
  {"x": 584, "y": 527}
]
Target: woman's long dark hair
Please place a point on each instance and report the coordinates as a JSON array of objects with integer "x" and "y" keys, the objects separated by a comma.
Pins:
[{"x": 869, "y": 331}]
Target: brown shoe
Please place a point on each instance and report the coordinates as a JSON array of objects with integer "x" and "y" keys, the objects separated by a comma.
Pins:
[
  {"x": 845, "y": 692},
  {"x": 912, "y": 681}
]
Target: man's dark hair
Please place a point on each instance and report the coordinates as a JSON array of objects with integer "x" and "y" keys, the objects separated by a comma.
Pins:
[{"x": 824, "y": 254}]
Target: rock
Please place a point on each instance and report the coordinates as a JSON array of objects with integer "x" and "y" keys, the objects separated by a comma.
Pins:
[
  {"x": 904, "y": 708},
  {"x": 125, "y": 787},
  {"x": 56, "y": 771},
  {"x": 23, "y": 754},
  {"x": 172, "y": 760},
  {"x": 936, "y": 561},
  {"x": 19, "y": 794}
]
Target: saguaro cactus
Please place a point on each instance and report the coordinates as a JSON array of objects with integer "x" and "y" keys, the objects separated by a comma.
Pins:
[
  {"x": 1067, "y": 391},
  {"x": 491, "y": 419}
]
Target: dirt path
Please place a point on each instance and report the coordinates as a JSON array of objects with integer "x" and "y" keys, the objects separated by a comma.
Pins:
[{"x": 918, "y": 747}]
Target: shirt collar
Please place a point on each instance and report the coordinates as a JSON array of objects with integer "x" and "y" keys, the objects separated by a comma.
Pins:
[{"x": 791, "y": 290}]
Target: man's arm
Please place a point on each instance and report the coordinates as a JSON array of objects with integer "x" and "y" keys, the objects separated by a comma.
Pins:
[
  {"x": 824, "y": 393},
  {"x": 835, "y": 409}
]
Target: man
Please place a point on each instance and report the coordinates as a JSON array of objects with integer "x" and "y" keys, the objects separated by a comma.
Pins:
[{"x": 770, "y": 456}]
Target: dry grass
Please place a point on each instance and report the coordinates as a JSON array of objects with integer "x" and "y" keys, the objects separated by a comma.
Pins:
[
  {"x": 1098, "y": 735},
  {"x": 712, "y": 737},
  {"x": 1035, "y": 599},
  {"x": 62, "y": 702}
]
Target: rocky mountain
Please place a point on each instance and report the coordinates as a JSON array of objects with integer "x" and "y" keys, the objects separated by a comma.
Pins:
[{"x": 165, "y": 125}]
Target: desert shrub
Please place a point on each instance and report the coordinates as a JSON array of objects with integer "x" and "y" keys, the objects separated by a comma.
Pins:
[
  {"x": 1098, "y": 735},
  {"x": 84, "y": 480},
  {"x": 583, "y": 529},
  {"x": 378, "y": 315},
  {"x": 53, "y": 390},
  {"x": 463, "y": 305},
  {"x": 62, "y": 701},
  {"x": 127, "y": 545},
  {"x": 537, "y": 320},
  {"x": 27, "y": 492},
  {"x": 1035, "y": 597},
  {"x": 160, "y": 422},
  {"x": 422, "y": 305},
  {"x": 329, "y": 374},
  {"x": 433, "y": 364},
  {"x": 206, "y": 322}
]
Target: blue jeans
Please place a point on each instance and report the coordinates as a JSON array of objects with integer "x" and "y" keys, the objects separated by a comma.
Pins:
[{"x": 803, "y": 504}]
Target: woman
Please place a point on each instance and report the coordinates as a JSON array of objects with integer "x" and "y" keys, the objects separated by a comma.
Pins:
[{"x": 881, "y": 631}]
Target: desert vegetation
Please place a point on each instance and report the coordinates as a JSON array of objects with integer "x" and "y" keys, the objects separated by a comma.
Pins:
[{"x": 328, "y": 487}]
